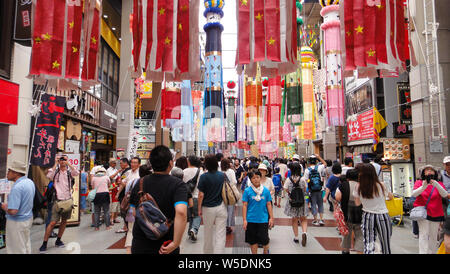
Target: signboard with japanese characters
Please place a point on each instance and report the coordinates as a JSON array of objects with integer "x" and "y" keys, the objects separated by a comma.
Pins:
[
  {"x": 396, "y": 149},
  {"x": 404, "y": 98},
  {"x": 47, "y": 130},
  {"x": 402, "y": 179},
  {"x": 74, "y": 160},
  {"x": 361, "y": 127}
]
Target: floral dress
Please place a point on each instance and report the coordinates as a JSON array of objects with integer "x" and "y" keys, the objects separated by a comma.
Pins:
[{"x": 295, "y": 211}]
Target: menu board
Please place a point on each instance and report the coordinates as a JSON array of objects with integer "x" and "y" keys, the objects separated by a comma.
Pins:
[{"x": 396, "y": 149}]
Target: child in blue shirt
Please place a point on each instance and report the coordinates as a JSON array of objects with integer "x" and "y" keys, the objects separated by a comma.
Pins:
[{"x": 257, "y": 213}]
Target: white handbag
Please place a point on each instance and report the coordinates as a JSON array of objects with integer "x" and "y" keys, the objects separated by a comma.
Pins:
[{"x": 420, "y": 212}]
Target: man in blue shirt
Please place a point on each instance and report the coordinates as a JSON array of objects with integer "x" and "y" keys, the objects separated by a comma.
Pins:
[
  {"x": 257, "y": 213},
  {"x": 19, "y": 210}
]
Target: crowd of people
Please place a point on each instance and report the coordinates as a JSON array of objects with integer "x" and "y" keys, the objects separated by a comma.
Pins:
[{"x": 157, "y": 201}]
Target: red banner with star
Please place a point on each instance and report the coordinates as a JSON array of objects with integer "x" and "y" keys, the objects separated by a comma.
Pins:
[
  {"x": 48, "y": 37},
  {"x": 91, "y": 51},
  {"x": 137, "y": 31},
  {"x": 183, "y": 36},
  {"x": 73, "y": 40},
  {"x": 272, "y": 14},
  {"x": 259, "y": 31}
]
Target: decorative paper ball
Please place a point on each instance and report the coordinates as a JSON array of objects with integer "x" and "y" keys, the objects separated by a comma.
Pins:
[
  {"x": 282, "y": 83},
  {"x": 306, "y": 54},
  {"x": 231, "y": 84},
  {"x": 214, "y": 4},
  {"x": 265, "y": 82},
  {"x": 300, "y": 21},
  {"x": 325, "y": 3}
]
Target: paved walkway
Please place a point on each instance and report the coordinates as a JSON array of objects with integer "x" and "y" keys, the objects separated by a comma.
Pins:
[{"x": 321, "y": 240}]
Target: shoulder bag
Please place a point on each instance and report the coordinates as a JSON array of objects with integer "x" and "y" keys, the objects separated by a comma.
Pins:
[
  {"x": 149, "y": 217},
  {"x": 192, "y": 183},
  {"x": 230, "y": 193},
  {"x": 65, "y": 206},
  {"x": 420, "y": 212}
]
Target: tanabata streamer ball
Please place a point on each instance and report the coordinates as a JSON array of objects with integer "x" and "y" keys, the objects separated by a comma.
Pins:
[
  {"x": 299, "y": 6},
  {"x": 265, "y": 82},
  {"x": 306, "y": 54},
  {"x": 300, "y": 21},
  {"x": 231, "y": 84},
  {"x": 325, "y": 3}
]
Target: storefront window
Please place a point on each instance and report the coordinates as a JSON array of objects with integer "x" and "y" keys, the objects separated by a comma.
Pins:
[
  {"x": 109, "y": 75},
  {"x": 359, "y": 100}
]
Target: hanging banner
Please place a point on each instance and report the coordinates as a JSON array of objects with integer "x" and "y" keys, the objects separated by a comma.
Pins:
[
  {"x": 47, "y": 130},
  {"x": 362, "y": 127},
  {"x": 22, "y": 26}
]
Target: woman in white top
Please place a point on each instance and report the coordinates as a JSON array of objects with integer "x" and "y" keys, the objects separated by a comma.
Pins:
[
  {"x": 266, "y": 181},
  {"x": 372, "y": 194},
  {"x": 225, "y": 167}
]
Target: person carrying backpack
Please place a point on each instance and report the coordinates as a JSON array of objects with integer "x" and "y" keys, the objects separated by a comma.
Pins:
[
  {"x": 313, "y": 176},
  {"x": 277, "y": 182},
  {"x": 296, "y": 207},
  {"x": 191, "y": 178},
  {"x": 62, "y": 178}
]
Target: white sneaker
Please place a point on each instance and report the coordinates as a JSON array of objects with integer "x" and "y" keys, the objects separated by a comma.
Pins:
[
  {"x": 321, "y": 223},
  {"x": 315, "y": 222}
]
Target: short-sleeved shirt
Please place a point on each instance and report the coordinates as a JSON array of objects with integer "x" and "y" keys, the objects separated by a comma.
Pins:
[
  {"x": 333, "y": 184},
  {"x": 257, "y": 210},
  {"x": 239, "y": 171},
  {"x": 168, "y": 191},
  {"x": 100, "y": 183},
  {"x": 21, "y": 198},
  {"x": 211, "y": 184},
  {"x": 61, "y": 183},
  {"x": 188, "y": 174}
]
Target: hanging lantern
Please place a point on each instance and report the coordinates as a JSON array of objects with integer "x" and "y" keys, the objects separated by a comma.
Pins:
[{"x": 231, "y": 84}]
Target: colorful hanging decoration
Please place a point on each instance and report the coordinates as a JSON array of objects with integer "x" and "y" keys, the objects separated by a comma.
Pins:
[
  {"x": 273, "y": 107},
  {"x": 182, "y": 130},
  {"x": 56, "y": 45},
  {"x": 165, "y": 39},
  {"x": 267, "y": 35},
  {"x": 308, "y": 128},
  {"x": 253, "y": 107},
  {"x": 240, "y": 111},
  {"x": 170, "y": 102},
  {"x": 375, "y": 36},
  {"x": 292, "y": 99},
  {"x": 378, "y": 125},
  {"x": 214, "y": 97},
  {"x": 333, "y": 64},
  {"x": 231, "y": 84}
]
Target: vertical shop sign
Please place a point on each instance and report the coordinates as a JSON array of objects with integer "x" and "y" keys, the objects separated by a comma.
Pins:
[
  {"x": 404, "y": 100},
  {"x": 22, "y": 26},
  {"x": 47, "y": 130}
]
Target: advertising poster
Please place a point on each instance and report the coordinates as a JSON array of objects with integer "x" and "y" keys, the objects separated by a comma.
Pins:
[
  {"x": 361, "y": 128},
  {"x": 402, "y": 179}
]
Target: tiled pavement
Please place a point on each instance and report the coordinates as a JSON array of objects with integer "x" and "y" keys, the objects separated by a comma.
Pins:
[{"x": 321, "y": 240}]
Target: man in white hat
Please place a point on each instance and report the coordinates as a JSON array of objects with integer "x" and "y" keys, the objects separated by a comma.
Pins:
[{"x": 19, "y": 210}]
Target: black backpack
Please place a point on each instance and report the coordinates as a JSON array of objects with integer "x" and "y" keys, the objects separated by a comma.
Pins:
[
  {"x": 297, "y": 196},
  {"x": 192, "y": 183}
]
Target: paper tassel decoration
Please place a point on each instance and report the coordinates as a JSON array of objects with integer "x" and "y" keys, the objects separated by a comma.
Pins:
[
  {"x": 253, "y": 107},
  {"x": 214, "y": 97},
  {"x": 231, "y": 120},
  {"x": 240, "y": 119},
  {"x": 267, "y": 35},
  {"x": 273, "y": 108},
  {"x": 333, "y": 65},
  {"x": 374, "y": 36},
  {"x": 170, "y": 103},
  {"x": 165, "y": 39},
  {"x": 308, "y": 128},
  {"x": 56, "y": 45}
]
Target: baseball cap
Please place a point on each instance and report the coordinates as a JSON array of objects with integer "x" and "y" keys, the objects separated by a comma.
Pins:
[{"x": 447, "y": 159}]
